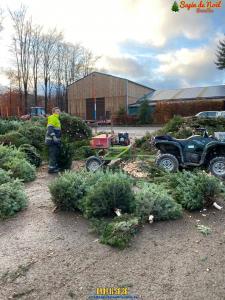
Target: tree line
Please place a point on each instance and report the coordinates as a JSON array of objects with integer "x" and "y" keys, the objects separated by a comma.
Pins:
[{"x": 44, "y": 60}]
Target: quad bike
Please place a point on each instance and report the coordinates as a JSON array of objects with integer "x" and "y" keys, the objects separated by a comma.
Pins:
[{"x": 196, "y": 151}]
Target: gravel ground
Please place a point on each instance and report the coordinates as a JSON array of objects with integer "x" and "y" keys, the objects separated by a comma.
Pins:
[
  {"x": 46, "y": 255},
  {"x": 134, "y": 132}
]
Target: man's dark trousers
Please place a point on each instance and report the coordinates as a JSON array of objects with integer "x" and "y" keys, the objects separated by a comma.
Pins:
[{"x": 53, "y": 152}]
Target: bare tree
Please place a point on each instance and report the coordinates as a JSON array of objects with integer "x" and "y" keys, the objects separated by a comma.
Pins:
[
  {"x": 17, "y": 72},
  {"x": 58, "y": 71},
  {"x": 68, "y": 48},
  {"x": 71, "y": 63},
  {"x": 36, "y": 44},
  {"x": 13, "y": 78},
  {"x": 76, "y": 60},
  {"x": 22, "y": 47},
  {"x": 49, "y": 46},
  {"x": 67, "y": 69},
  {"x": 46, "y": 57},
  {"x": 88, "y": 62}
]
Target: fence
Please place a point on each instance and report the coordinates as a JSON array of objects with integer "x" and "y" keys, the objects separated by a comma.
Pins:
[
  {"x": 164, "y": 111},
  {"x": 12, "y": 104}
]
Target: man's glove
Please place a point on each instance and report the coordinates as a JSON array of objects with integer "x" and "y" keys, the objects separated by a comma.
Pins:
[{"x": 55, "y": 140}]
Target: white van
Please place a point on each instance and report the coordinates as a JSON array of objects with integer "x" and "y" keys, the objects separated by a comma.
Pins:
[{"x": 211, "y": 114}]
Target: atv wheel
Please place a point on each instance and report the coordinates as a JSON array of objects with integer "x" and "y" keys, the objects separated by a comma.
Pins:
[
  {"x": 93, "y": 163},
  {"x": 168, "y": 162},
  {"x": 217, "y": 166}
]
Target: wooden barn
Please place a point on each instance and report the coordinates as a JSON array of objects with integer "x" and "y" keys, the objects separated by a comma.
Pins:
[{"x": 99, "y": 96}]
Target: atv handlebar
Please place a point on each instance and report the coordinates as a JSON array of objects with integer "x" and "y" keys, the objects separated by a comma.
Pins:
[{"x": 204, "y": 131}]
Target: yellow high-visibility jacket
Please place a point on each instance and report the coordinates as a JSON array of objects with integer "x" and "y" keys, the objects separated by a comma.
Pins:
[{"x": 53, "y": 130}]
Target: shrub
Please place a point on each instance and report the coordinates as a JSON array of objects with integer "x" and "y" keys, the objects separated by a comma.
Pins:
[
  {"x": 12, "y": 198},
  {"x": 8, "y": 153},
  {"x": 92, "y": 178},
  {"x": 4, "y": 176},
  {"x": 65, "y": 155},
  {"x": 119, "y": 232},
  {"x": 83, "y": 152},
  {"x": 67, "y": 190},
  {"x": 183, "y": 132},
  {"x": 194, "y": 190},
  {"x": 6, "y": 126},
  {"x": 144, "y": 143},
  {"x": 31, "y": 154},
  {"x": 97, "y": 225},
  {"x": 13, "y": 138},
  {"x": 183, "y": 127},
  {"x": 145, "y": 113},
  {"x": 21, "y": 169},
  {"x": 14, "y": 160},
  {"x": 35, "y": 134},
  {"x": 121, "y": 112},
  {"x": 211, "y": 124},
  {"x": 39, "y": 121},
  {"x": 113, "y": 190},
  {"x": 154, "y": 200},
  {"x": 153, "y": 171},
  {"x": 173, "y": 125},
  {"x": 81, "y": 143},
  {"x": 74, "y": 128}
]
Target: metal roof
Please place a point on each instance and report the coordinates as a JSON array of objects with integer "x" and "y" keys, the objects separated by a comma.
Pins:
[
  {"x": 186, "y": 93},
  {"x": 109, "y": 75}
]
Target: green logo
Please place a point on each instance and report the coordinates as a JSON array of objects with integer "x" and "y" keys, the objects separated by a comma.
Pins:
[{"x": 175, "y": 7}]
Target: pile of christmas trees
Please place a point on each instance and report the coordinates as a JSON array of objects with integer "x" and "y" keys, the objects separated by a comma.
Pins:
[{"x": 117, "y": 205}]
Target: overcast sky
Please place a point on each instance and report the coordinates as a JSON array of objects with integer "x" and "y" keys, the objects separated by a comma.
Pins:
[{"x": 142, "y": 40}]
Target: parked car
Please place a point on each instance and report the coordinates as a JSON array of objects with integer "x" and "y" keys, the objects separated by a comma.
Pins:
[{"x": 211, "y": 114}]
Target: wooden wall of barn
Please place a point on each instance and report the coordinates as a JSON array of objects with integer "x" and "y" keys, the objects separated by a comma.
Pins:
[
  {"x": 97, "y": 85},
  {"x": 136, "y": 91}
]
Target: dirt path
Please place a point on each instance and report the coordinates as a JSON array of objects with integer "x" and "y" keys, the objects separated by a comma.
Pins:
[{"x": 53, "y": 256}]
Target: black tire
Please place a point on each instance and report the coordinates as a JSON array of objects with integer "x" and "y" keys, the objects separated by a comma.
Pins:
[
  {"x": 168, "y": 162},
  {"x": 217, "y": 166},
  {"x": 93, "y": 163}
]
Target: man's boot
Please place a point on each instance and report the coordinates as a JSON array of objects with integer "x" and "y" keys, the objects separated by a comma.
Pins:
[{"x": 52, "y": 170}]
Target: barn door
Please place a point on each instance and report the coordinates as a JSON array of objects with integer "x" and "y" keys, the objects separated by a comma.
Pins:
[
  {"x": 100, "y": 108},
  {"x": 90, "y": 109}
]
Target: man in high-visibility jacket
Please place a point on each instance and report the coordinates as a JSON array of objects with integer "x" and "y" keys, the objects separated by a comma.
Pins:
[{"x": 53, "y": 139}]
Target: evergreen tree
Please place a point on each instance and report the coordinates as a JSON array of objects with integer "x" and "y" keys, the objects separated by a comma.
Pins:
[
  {"x": 220, "y": 55},
  {"x": 175, "y": 7},
  {"x": 144, "y": 114}
]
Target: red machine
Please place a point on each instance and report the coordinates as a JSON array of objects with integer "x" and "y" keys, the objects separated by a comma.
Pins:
[{"x": 102, "y": 141}]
